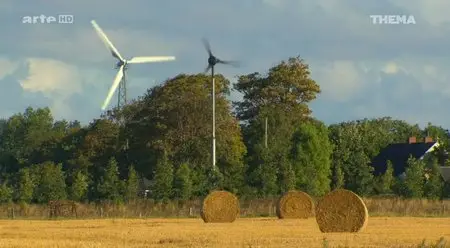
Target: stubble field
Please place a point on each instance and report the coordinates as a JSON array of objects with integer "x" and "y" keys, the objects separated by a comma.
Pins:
[{"x": 245, "y": 232}]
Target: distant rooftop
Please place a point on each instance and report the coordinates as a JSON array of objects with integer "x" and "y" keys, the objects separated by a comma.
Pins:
[{"x": 399, "y": 153}]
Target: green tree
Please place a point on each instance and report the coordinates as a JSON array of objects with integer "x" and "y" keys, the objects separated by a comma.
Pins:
[
  {"x": 387, "y": 180},
  {"x": 414, "y": 178},
  {"x": 23, "y": 134},
  {"x": 356, "y": 143},
  {"x": 265, "y": 176},
  {"x": 287, "y": 85},
  {"x": 277, "y": 154},
  {"x": 79, "y": 187},
  {"x": 286, "y": 178},
  {"x": 6, "y": 193},
  {"x": 337, "y": 180},
  {"x": 434, "y": 184},
  {"x": 132, "y": 184},
  {"x": 109, "y": 186},
  {"x": 281, "y": 100},
  {"x": 163, "y": 180},
  {"x": 25, "y": 187},
  {"x": 352, "y": 154},
  {"x": 441, "y": 135},
  {"x": 51, "y": 183},
  {"x": 311, "y": 158},
  {"x": 183, "y": 183},
  {"x": 179, "y": 114}
]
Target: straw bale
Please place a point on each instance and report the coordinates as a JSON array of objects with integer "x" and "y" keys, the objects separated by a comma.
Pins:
[
  {"x": 220, "y": 207},
  {"x": 295, "y": 205},
  {"x": 341, "y": 211}
]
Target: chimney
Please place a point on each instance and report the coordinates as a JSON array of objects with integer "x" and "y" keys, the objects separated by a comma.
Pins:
[
  {"x": 412, "y": 140},
  {"x": 428, "y": 139}
]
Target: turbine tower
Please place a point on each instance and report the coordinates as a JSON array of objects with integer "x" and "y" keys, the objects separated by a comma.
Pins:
[
  {"x": 122, "y": 65},
  {"x": 212, "y": 61}
]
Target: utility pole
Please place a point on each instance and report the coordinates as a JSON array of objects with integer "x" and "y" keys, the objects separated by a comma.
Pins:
[{"x": 213, "y": 120}]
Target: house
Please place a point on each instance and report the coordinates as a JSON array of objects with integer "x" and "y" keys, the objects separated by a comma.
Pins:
[
  {"x": 144, "y": 187},
  {"x": 445, "y": 171},
  {"x": 399, "y": 153}
]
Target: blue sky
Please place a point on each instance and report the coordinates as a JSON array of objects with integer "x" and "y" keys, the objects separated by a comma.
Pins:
[{"x": 364, "y": 70}]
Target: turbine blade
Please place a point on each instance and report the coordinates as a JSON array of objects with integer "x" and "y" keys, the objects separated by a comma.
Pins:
[
  {"x": 105, "y": 40},
  {"x": 229, "y": 62},
  {"x": 113, "y": 87},
  {"x": 207, "y": 46},
  {"x": 208, "y": 68},
  {"x": 137, "y": 60}
]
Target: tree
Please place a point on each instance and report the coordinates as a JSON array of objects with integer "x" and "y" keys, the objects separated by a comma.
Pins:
[
  {"x": 352, "y": 154},
  {"x": 287, "y": 84},
  {"x": 109, "y": 186},
  {"x": 337, "y": 180},
  {"x": 178, "y": 113},
  {"x": 22, "y": 135},
  {"x": 25, "y": 186},
  {"x": 79, "y": 186},
  {"x": 132, "y": 184},
  {"x": 311, "y": 158},
  {"x": 281, "y": 99},
  {"x": 3, "y": 125},
  {"x": 51, "y": 183},
  {"x": 387, "y": 180},
  {"x": 163, "y": 180},
  {"x": 286, "y": 178},
  {"x": 443, "y": 137},
  {"x": 414, "y": 180},
  {"x": 434, "y": 185},
  {"x": 183, "y": 183},
  {"x": 6, "y": 193},
  {"x": 357, "y": 143},
  {"x": 265, "y": 177}
]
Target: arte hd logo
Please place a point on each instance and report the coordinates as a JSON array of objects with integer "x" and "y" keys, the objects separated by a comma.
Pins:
[{"x": 44, "y": 19}]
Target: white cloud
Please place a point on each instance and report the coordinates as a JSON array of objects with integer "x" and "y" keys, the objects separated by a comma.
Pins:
[
  {"x": 391, "y": 68},
  {"x": 54, "y": 79},
  {"x": 435, "y": 12},
  {"x": 274, "y": 3},
  {"x": 7, "y": 67},
  {"x": 340, "y": 80},
  {"x": 431, "y": 76},
  {"x": 430, "y": 70},
  {"x": 336, "y": 31},
  {"x": 51, "y": 76}
]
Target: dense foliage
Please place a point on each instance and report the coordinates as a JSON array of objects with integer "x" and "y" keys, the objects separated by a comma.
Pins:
[{"x": 162, "y": 143}]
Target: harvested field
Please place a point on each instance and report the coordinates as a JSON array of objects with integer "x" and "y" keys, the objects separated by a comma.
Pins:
[{"x": 244, "y": 232}]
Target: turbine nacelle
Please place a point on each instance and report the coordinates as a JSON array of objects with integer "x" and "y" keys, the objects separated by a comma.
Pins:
[
  {"x": 212, "y": 61},
  {"x": 120, "y": 63}
]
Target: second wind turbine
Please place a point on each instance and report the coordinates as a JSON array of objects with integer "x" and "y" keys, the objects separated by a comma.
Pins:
[{"x": 212, "y": 61}]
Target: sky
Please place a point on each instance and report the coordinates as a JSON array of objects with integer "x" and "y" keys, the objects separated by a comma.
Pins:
[{"x": 365, "y": 70}]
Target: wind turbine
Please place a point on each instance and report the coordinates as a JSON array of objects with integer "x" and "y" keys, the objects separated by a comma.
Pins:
[
  {"x": 122, "y": 65},
  {"x": 212, "y": 61}
]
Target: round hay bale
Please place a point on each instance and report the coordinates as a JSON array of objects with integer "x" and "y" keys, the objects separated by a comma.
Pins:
[
  {"x": 295, "y": 205},
  {"x": 341, "y": 211},
  {"x": 220, "y": 207}
]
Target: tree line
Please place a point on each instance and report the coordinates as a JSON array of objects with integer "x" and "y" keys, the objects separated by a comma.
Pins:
[{"x": 164, "y": 137}]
